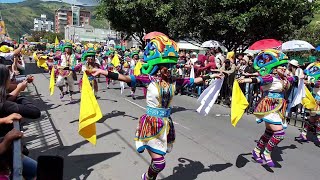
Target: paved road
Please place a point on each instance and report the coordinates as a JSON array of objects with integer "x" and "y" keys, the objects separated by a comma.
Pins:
[{"x": 206, "y": 147}]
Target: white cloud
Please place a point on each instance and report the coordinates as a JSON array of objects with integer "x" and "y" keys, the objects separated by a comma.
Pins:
[{"x": 78, "y": 2}]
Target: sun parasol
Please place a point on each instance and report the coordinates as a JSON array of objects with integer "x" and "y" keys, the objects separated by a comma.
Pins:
[
  {"x": 265, "y": 44},
  {"x": 296, "y": 45},
  {"x": 153, "y": 34}
]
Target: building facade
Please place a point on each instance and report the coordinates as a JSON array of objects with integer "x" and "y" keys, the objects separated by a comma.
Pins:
[
  {"x": 42, "y": 24},
  {"x": 88, "y": 33},
  {"x": 74, "y": 16}
]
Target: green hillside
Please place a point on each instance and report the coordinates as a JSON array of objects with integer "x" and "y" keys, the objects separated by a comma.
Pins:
[{"x": 19, "y": 16}]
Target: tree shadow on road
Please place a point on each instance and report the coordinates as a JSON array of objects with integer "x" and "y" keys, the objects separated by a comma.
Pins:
[
  {"x": 178, "y": 109},
  {"x": 75, "y": 165},
  {"x": 44, "y": 139},
  {"x": 114, "y": 113},
  {"x": 191, "y": 170}
]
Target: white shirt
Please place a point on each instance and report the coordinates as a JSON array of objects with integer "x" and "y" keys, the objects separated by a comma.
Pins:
[
  {"x": 299, "y": 72},
  {"x": 219, "y": 59},
  {"x": 7, "y": 56},
  {"x": 193, "y": 60}
]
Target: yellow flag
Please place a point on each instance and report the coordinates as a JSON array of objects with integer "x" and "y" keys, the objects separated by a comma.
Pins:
[
  {"x": 56, "y": 42},
  {"x": 137, "y": 69},
  {"x": 35, "y": 57},
  {"x": 51, "y": 86},
  {"x": 309, "y": 102},
  {"x": 42, "y": 63},
  {"x": 115, "y": 60},
  {"x": 90, "y": 112},
  {"x": 239, "y": 103}
]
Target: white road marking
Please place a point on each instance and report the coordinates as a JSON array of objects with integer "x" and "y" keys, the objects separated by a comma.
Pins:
[
  {"x": 135, "y": 103},
  {"x": 145, "y": 109}
]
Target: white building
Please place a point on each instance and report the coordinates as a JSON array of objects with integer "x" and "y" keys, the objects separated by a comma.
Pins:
[
  {"x": 88, "y": 33},
  {"x": 42, "y": 24}
]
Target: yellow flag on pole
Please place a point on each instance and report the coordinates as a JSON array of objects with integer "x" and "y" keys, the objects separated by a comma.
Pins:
[
  {"x": 309, "y": 102},
  {"x": 115, "y": 60},
  {"x": 90, "y": 112},
  {"x": 51, "y": 86},
  {"x": 137, "y": 69},
  {"x": 56, "y": 42},
  {"x": 239, "y": 103}
]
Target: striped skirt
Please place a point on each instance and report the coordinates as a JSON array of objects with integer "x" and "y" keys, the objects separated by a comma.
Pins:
[
  {"x": 271, "y": 110},
  {"x": 155, "y": 134}
]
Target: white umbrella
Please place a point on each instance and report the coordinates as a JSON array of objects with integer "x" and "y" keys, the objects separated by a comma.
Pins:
[
  {"x": 211, "y": 44},
  {"x": 296, "y": 45},
  {"x": 214, "y": 44}
]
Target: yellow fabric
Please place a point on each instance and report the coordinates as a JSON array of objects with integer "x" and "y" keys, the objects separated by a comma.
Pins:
[
  {"x": 5, "y": 49},
  {"x": 42, "y": 62},
  {"x": 115, "y": 60},
  {"x": 90, "y": 112},
  {"x": 309, "y": 102},
  {"x": 51, "y": 86},
  {"x": 239, "y": 103},
  {"x": 231, "y": 55},
  {"x": 56, "y": 42},
  {"x": 137, "y": 69}
]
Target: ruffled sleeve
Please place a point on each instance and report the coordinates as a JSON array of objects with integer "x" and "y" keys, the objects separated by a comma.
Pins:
[
  {"x": 264, "y": 80},
  {"x": 139, "y": 81},
  {"x": 317, "y": 84},
  {"x": 292, "y": 79},
  {"x": 185, "y": 81}
]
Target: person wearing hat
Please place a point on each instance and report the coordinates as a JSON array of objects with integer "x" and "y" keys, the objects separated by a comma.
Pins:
[
  {"x": 272, "y": 106},
  {"x": 88, "y": 63},
  {"x": 219, "y": 58},
  {"x": 132, "y": 64},
  {"x": 66, "y": 67},
  {"x": 8, "y": 53},
  {"x": 155, "y": 132},
  {"x": 293, "y": 70}
]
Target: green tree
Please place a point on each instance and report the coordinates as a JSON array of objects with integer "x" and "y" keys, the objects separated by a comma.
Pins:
[
  {"x": 236, "y": 23},
  {"x": 36, "y": 36},
  {"x": 310, "y": 34},
  {"x": 239, "y": 23},
  {"x": 137, "y": 17}
]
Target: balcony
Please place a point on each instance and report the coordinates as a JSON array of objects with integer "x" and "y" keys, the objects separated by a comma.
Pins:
[
  {"x": 62, "y": 14},
  {"x": 62, "y": 18}
]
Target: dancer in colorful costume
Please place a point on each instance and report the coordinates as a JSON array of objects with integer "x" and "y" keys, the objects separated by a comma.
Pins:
[
  {"x": 155, "y": 131},
  {"x": 313, "y": 124},
  {"x": 50, "y": 57},
  {"x": 66, "y": 67},
  {"x": 89, "y": 62},
  {"x": 271, "y": 65},
  {"x": 133, "y": 62}
]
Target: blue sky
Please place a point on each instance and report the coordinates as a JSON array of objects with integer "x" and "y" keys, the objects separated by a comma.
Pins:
[
  {"x": 10, "y": 1},
  {"x": 77, "y": 2}
]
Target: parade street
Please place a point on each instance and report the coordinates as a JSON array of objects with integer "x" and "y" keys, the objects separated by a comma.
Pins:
[{"x": 205, "y": 148}]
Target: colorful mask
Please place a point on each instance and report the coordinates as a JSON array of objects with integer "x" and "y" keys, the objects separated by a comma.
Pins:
[
  {"x": 160, "y": 50},
  {"x": 66, "y": 45},
  {"x": 90, "y": 53},
  {"x": 268, "y": 59},
  {"x": 313, "y": 71}
]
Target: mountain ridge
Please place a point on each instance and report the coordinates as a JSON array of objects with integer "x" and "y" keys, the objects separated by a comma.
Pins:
[{"x": 19, "y": 17}]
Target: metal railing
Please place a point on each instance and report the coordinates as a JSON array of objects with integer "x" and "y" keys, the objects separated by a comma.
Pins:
[{"x": 17, "y": 157}]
